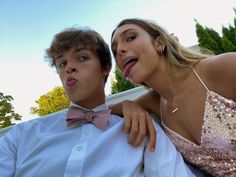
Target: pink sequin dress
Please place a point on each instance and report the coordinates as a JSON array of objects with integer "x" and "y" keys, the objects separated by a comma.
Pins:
[{"x": 216, "y": 153}]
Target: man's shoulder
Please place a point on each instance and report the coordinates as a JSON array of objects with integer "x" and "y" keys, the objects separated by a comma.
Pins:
[
  {"x": 48, "y": 117},
  {"x": 115, "y": 118},
  {"x": 43, "y": 121}
]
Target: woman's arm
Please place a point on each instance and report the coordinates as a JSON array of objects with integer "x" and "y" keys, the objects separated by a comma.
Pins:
[
  {"x": 150, "y": 102},
  {"x": 138, "y": 123}
]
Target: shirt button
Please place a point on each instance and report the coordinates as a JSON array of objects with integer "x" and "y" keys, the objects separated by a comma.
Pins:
[{"x": 79, "y": 148}]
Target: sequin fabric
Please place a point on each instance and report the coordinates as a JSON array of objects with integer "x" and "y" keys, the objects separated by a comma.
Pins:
[{"x": 217, "y": 152}]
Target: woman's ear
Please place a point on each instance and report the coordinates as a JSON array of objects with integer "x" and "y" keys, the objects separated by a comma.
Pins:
[
  {"x": 159, "y": 45},
  {"x": 159, "y": 42}
]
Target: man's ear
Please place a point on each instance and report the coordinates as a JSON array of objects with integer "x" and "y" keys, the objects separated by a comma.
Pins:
[{"x": 106, "y": 70}]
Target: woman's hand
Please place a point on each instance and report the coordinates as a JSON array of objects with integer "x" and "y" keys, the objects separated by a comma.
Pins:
[{"x": 138, "y": 124}]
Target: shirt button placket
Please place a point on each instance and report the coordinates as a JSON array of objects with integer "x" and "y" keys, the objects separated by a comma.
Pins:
[
  {"x": 76, "y": 160},
  {"x": 86, "y": 133}
]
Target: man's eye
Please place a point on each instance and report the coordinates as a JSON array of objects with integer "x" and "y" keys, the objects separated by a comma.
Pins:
[
  {"x": 83, "y": 58},
  {"x": 61, "y": 64}
]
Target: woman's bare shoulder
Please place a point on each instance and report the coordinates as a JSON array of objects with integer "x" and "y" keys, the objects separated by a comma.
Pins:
[
  {"x": 225, "y": 63},
  {"x": 220, "y": 72}
]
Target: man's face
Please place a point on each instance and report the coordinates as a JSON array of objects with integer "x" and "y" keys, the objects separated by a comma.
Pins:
[{"x": 82, "y": 76}]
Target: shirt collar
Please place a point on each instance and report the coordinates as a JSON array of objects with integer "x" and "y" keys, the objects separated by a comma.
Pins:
[{"x": 101, "y": 107}]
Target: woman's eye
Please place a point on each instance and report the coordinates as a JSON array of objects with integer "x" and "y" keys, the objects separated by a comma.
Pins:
[
  {"x": 114, "y": 52},
  {"x": 130, "y": 38}
]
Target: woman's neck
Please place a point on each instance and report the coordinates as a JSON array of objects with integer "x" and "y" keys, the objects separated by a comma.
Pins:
[{"x": 169, "y": 85}]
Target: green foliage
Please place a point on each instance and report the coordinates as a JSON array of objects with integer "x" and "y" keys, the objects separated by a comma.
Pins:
[
  {"x": 227, "y": 45},
  {"x": 7, "y": 113},
  {"x": 230, "y": 33},
  {"x": 208, "y": 38},
  {"x": 120, "y": 83},
  {"x": 52, "y": 101}
]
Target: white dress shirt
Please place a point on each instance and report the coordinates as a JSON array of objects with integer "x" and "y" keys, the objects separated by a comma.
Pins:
[{"x": 46, "y": 147}]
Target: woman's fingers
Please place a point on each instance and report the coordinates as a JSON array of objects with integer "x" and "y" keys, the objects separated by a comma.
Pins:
[
  {"x": 142, "y": 129},
  {"x": 127, "y": 123},
  {"x": 133, "y": 132},
  {"x": 151, "y": 133},
  {"x": 138, "y": 124}
]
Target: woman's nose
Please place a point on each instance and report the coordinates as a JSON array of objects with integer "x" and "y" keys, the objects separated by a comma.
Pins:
[{"x": 121, "y": 50}]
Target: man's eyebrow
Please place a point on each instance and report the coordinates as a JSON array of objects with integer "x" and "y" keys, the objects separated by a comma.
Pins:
[
  {"x": 80, "y": 48},
  {"x": 85, "y": 47},
  {"x": 76, "y": 50},
  {"x": 58, "y": 57},
  {"x": 123, "y": 33}
]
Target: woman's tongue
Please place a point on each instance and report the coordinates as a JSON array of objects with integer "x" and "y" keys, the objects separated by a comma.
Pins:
[{"x": 128, "y": 67}]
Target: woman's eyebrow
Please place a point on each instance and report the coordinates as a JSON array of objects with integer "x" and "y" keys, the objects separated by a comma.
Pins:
[
  {"x": 121, "y": 34},
  {"x": 127, "y": 30}
]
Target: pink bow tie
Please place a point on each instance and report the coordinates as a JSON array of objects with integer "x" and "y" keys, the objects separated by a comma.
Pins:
[{"x": 77, "y": 115}]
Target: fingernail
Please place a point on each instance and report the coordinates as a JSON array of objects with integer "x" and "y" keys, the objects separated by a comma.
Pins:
[{"x": 152, "y": 149}]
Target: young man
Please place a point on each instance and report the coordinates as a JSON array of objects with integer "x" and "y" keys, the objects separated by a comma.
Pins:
[{"x": 94, "y": 145}]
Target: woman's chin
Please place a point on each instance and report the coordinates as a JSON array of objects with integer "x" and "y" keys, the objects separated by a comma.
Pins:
[
  {"x": 129, "y": 79},
  {"x": 134, "y": 80}
]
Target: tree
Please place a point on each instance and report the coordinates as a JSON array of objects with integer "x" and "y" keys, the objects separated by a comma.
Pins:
[
  {"x": 208, "y": 38},
  {"x": 120, "y": 84},
  {"x": 7, "y": 113},
  {"x": 53, "y": 101}
]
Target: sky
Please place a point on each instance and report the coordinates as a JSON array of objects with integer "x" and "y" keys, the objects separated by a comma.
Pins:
[{"x": 27, "y": 28}]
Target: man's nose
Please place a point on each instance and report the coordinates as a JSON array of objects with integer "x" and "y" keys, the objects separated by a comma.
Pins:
[{"x": 70, "y": 67}]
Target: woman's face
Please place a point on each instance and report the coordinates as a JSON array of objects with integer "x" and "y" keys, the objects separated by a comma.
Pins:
[{"x": 135, "y": 53}]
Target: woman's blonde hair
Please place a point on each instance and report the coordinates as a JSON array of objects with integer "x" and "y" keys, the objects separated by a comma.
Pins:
[{"x": 177, "y": 55}]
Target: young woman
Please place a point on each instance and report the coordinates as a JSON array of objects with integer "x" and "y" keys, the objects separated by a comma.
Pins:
[{"x": 194, "y": 95}]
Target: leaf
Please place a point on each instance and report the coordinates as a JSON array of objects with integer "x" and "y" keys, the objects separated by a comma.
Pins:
[{"x": 7, "y": 113}]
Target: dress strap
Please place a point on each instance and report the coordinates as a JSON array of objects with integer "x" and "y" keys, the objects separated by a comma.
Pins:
[
  {"x": 161, "y": 107},
  {"x": 199, "y": 78}
]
